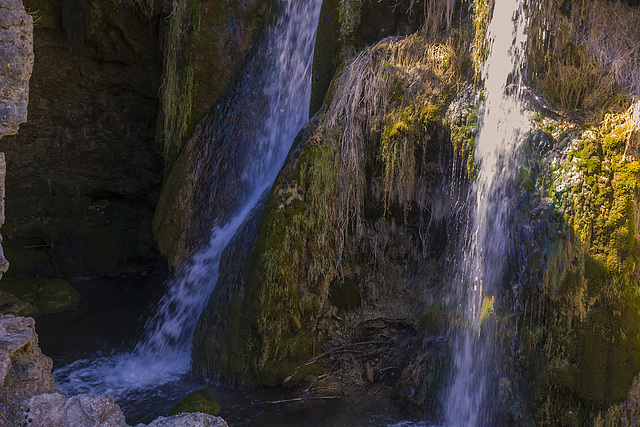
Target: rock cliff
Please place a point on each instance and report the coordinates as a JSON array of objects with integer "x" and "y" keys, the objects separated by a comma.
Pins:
[
  {"x": 16, "y": 57},
  {"x": 83, "y": 174}
]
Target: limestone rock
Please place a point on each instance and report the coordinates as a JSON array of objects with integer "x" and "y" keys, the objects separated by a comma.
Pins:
[
  {"x": 24, "y": 370},
  {"x": 54, "y": 410},
  {"x": 188, "y": 420},
  {"x": 16, "y": 63}
]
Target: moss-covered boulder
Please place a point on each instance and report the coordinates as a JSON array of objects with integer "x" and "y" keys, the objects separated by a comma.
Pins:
[
  {"x": 351, "y": 231},
  {"x": 211, "y": 47},
  {"x": 39, "y": 295},
  {"x": 198, "y": 401}
]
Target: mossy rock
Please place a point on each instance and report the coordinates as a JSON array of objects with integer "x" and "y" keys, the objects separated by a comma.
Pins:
[
  {"x": 198, "y": 401},
  {"x": 9, "y": 304},
  {"x": 45, "y": 295}
]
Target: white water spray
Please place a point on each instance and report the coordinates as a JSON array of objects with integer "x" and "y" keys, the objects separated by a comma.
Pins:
[
  {"x": 471, "y": 397},
  {"x": 164, "y": 355}
]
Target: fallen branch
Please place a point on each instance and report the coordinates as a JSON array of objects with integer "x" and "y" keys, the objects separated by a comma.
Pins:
[{"x": 298, "y": 399}]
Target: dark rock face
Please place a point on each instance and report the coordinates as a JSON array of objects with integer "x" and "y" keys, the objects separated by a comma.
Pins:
[
  {"x": 16, "y": 59},
  {"x": 83, "y": 176}
]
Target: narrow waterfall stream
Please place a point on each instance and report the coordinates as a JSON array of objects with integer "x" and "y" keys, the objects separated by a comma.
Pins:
[
  {"x": 479, "y": 270},
  {"x": 163, "y": 355}
]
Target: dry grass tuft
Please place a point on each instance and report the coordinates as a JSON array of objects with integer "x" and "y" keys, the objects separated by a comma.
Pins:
[
  {"x": 380, "y": 102},
  {"x": 585, "y": 56}
]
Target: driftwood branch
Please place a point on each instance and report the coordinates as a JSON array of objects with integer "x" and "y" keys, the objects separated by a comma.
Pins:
[{"x": 298, "y": 399}]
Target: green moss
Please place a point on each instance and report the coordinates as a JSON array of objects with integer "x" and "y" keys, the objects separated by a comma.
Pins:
[
  {"x": 288, "y": 274},
  {"x": 46, "y": 295},
  {"x": 593, "y": 325},
  {"x": 463, "y": 131},
  {"x": 481, "y": 18},
  {"x": 198, "y": 401},
  {"x": 9, "y": 304}
]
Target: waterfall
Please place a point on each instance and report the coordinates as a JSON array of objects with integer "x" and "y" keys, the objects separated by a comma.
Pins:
[
  {"x": 287, "y": 91},
  {"x": 163, "y": 355},
  {"x": 479, "y": 270}
]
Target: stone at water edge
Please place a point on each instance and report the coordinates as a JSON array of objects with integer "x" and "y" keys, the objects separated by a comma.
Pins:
[
  {"x": 9, "y": 304},
  {"x": 55, "y": 410},
  {"x": 198, "y": 401},
  {"x": 188, "y": 420}
]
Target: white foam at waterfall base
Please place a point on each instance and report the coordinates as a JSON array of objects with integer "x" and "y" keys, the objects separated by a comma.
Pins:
[
  {"x": 480, "y": 267},
  {"x": 163, "y": 356}
]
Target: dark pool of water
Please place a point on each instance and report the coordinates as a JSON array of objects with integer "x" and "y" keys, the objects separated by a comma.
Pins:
[{"x": 110, "y": 319}]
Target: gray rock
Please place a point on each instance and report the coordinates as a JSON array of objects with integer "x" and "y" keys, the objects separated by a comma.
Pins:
[
  {"x": 24, "y": 370},
  {"x": 188, "y": 420},
  {"x": 16, "y": 64},
  {"x": 54, "y": 410}
]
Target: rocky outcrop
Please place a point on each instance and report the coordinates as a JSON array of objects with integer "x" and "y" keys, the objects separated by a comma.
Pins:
[
  {"x": 205, "y": 148},
  {"x": 55, "y": 410},
  {"x": 205, "y": 45},
  {"x": 24, "y": 370},
  {"x": 83, "y": 174},
  {"x": 16, "y": 64}
]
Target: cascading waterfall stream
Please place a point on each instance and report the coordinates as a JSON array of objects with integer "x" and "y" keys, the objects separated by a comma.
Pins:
[
  {"x": 163, "y": 355},
  {"x": 471, "y": 398}
]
